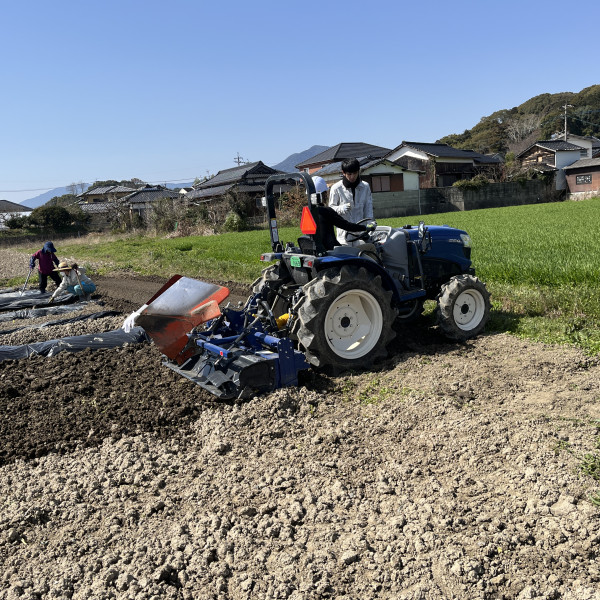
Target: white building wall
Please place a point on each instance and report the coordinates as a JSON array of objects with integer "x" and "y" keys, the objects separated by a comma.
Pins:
[
  {"x": 4, "y": 216},
  {"x": 411, "y": 152},
  {"x": 411, "y": 180},
  {"x": 564, "y": 158},
  {"x": 580, "y": 141}
]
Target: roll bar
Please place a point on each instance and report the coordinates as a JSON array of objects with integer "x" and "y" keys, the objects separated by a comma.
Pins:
[{"x": 309, "y": 186}]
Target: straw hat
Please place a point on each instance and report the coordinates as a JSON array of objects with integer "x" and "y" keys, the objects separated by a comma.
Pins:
[{"x": 63, "y": 266}]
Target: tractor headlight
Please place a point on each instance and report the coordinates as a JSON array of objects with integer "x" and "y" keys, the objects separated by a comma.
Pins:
[{"x": 466, "y": 240}]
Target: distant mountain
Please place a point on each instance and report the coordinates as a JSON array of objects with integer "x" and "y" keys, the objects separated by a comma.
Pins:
[
  {"x": 539, "y": 118},
  {"x": 289, "y": 164},
  {"x": 43, "y": 198}
]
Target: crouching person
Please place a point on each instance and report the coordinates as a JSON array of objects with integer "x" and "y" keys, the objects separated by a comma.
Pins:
[{"x": 74, "y": 281}]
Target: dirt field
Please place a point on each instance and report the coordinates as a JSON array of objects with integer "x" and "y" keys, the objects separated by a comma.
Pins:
[{"x": 452, "y": 471}]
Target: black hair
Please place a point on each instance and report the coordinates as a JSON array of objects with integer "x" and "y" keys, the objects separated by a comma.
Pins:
[{"x": 350, "y": 165}]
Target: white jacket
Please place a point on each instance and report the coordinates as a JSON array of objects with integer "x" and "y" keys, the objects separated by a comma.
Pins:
[
  {"x": 361, "y": 206},
  {"x": 71, "y": 279}
]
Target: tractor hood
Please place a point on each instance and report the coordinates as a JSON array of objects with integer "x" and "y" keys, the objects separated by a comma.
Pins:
[
  {"x": 447, "y": 244},
  {"x": 438, "y": 232}
]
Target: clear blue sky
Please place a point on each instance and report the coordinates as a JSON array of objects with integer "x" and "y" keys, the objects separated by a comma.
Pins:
[{"x": 169, "y": 91}]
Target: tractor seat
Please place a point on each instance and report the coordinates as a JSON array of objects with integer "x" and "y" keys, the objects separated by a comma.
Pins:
[{"x": 306, "y": 245}]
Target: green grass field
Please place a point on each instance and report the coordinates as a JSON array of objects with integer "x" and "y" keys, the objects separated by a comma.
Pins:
[{"x": 540, "y": 262}]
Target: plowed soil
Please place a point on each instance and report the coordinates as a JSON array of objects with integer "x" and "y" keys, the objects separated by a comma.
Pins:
[{"x": 448, "y": 471}]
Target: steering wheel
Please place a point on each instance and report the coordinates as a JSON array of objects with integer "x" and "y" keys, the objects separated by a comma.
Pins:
[{"x": 359, "y": 235}]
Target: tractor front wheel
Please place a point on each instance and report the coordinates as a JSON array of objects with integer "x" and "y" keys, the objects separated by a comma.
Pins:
[
  {"x": 345, "y": 320},
  {"x": 463, "y": 307}
]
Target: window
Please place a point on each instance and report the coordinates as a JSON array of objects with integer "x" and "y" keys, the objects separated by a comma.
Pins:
[
  {"x": 583, "y": 179},
  {"x": 380, "y": 183}
]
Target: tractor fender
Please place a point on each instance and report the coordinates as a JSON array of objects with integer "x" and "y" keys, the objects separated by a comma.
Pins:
[{"x": 388, "y": 282}]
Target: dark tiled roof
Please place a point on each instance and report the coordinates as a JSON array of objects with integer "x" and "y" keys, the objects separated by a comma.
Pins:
[
  {"x": 552, "y": 145},
  {"x": 441, "y": 150},
  {"x": 220, "y": 190},
  {"x": 7, "y": 206},
  {"x": 590, "y": 138},
  {"x": 217, "y": 190},
  {"x": 365, "y": 163},
  {"x": 256, "y": 169},
  {"x": 343, "y": 151},
  {"x": 485, "y": 159},
  {"x": 107, "y": 189},
  {"x": 149, "y": 194},
  {"x": 95, "y": 208},
  {"x": 584, "y": 163}
]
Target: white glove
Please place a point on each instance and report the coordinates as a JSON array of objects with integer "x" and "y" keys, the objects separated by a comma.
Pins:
[
  {"x": 129, "y": 322},
  {"x": 342, "y": 209}
]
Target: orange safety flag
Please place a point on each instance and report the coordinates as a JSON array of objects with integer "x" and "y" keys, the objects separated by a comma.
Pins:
[{"x": 307, "y": 223}]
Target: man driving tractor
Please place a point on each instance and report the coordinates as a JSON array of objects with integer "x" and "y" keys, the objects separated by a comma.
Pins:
[{"x": 329, "y": 218}]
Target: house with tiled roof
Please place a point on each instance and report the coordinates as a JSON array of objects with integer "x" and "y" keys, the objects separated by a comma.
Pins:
[
  {"x": 135, "y": 202},
  {"x": 340, "y": 153},
  {"x": 556, "y": 154},
  {"x": 381, "y": 174},
  {"x": 441, "y": 165},
  {"x": 248, "y": 179},
  {"x": 104, "y": 193},
  {"x": 590, "y": 145},
  {"x": 583, "y": 177},
  {"x": 10, "y": 209},
  {"x": 142, "y": 199}
]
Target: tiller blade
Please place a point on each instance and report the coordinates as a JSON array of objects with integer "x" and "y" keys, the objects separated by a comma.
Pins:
[{"x": 240, "y": 365}]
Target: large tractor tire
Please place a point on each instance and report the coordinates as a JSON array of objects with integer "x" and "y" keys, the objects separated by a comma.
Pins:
[
  {"x": 273, "y": 277},
  {"x": 463, "y": 307},
  {"x": 346, "y": 318}
]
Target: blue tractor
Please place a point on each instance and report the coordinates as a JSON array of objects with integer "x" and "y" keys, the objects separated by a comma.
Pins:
[{"x": 323, "y": 308}]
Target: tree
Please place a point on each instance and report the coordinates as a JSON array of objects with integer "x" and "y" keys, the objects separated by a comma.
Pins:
[
  {"x": 76, "y": 188},
  {"x": 17, "y": 222},
  {"x": 520, "y": 127},
  {"x": 131, "y": 183},
  {"x": 51, "y": 217},
  {"x": 65, "y": 200}
]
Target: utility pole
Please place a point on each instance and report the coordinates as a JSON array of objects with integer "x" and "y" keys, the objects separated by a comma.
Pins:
[
  {"x": 565, "y": 107},
  {"x": 238, "y": 159}
]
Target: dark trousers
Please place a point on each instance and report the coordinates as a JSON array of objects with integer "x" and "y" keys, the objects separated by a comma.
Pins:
[{"x": 44, "y": 280}]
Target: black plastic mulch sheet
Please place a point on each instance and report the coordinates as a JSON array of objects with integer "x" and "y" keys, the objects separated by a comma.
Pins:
[
  {"x": 96, "y": 341},
  {"x": 15, "y": 301},
  {"x": 34, "y": 313},
  {"x": 88, "y": 317}
]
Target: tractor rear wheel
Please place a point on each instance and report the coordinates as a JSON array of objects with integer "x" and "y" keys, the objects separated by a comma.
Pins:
[
  {"x": 272, "y": 278},
  {"x": 269, "y": 275},
  {"x": 345, "y": 320},
  {"x": 463, "y": 307}
]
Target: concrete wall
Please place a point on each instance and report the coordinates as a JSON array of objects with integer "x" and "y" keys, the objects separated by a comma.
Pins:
[{"x": 448, "y": 199}]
